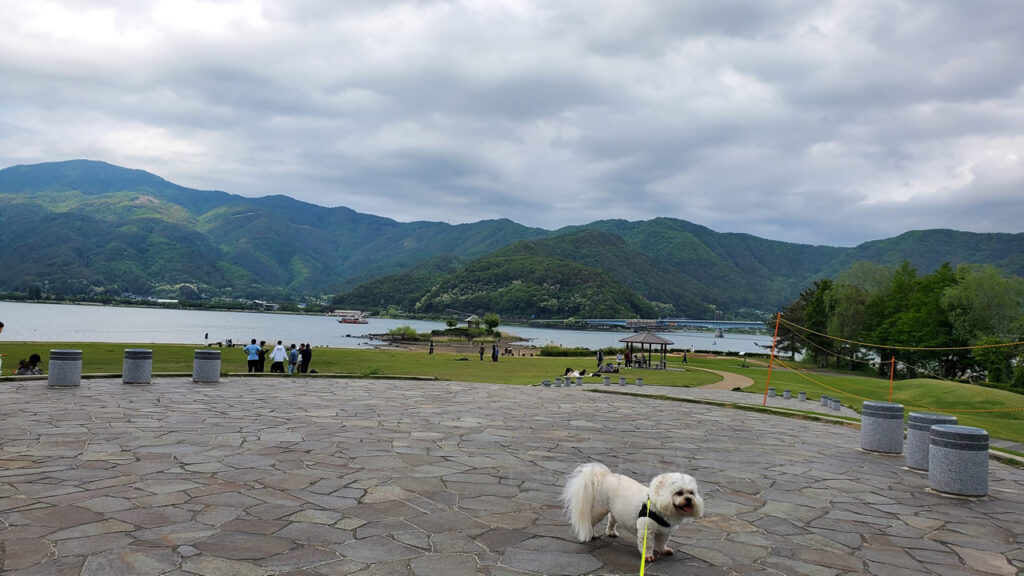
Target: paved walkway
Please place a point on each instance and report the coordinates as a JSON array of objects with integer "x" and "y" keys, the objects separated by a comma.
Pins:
[{"x": 274, "y": 476}]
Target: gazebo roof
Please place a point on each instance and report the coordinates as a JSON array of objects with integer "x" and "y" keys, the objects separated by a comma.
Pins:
[{"x": 645, "y": 338}]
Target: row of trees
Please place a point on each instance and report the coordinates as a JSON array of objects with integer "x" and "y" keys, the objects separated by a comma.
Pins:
[{"x": 957, "y": 322}]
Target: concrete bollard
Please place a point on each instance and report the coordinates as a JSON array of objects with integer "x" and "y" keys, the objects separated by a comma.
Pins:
[
  {"x": 206, "y": 366},
  {"x": 558, "y": 381},
  {"x": 138, "y": 366},
  {"x": 958, "y": 460},
  {"x": 786, "y": 394},
  {"x": 835, "y": 403},
  {"x": 824, "y": 401},
  {"x": 802, "y": 396},
  {"x": 919, "y": 430},
  {"x": 881, "y": 427},
  {"x": 771, "y": 392},
  {"x": 546, "y": 383},
  {"x": 606, "y": 381},
  {"x": 622, "y": 380},
  {"x": 579, "y": 380},
  {"x": 639, "y": 381},
  {"x": 65, "y": 368}
]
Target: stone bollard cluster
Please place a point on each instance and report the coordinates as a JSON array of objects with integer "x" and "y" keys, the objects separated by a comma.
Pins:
[
  {"x": 881, "y": 427},
  {"x": 138, "y": 366},
  {"x": 65, "y": 368},
  {"x": 206, "y": 367},
  {"x": 919, "y": 428},
  {"x": 958, "y": 460}
]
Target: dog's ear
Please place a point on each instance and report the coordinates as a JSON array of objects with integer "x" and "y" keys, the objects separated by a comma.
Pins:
[{"x": 658, "y": 483}]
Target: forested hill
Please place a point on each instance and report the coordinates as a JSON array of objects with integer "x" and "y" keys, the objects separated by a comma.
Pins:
[
  {"x": 90, "y": 228},
  {"x": 86, "y": 227}
]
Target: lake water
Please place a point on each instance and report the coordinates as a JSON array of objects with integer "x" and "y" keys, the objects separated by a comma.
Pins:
[{"x": 83, "y": 323}]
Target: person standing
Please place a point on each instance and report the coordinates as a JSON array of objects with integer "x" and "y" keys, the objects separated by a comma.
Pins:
[
  {"x": 252, "y": 355},
  {"x": 277, "y": 357},
  {"x": 431, "y": 348},
  {"x": 262, "y": 360},
  {"x": 600, "y": 357},
  {"x": 293, "y": 359},
  {"x": 481, "y": 352},
  {"x": 306, "y": 354},
  {"x": 494, "y": 353}
]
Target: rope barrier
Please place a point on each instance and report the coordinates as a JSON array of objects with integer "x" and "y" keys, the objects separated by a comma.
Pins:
[{"x": 892, "y": 347}]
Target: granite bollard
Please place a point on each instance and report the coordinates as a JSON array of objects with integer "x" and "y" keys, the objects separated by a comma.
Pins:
[
  {"x": 881, "y": 427},
  {"x": 786, "y": 394},
  {"x": 824, "y": 400},
  {"x": 558, "y": 381},
  {"x": 802, "y": 396},
  {"x": 622, "y": 380},
  {"x": 919, "y": 426},
  {"x": 606, "y": 380},
  {"x": 206, "y": 366},
  {"x": 65, "y": 368},
  {"x": 835, "y": 403},
  {"x": 958, "y": 460},
  {"x": 639, "y": 381},
  {"x": 138, "y": 366},
  {"x": 771, "y": 392},
  {"x": 579, "y": 380},
  {"x": 546, "y": 383}
]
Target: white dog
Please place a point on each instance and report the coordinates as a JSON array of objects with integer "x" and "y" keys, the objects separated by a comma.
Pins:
[{"x": 593, "y": 491}]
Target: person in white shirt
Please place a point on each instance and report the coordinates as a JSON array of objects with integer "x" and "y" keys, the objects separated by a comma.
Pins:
[{"x": 278, "y": 356}]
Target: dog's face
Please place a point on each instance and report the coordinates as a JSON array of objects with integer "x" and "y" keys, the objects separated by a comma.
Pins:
[{"x": 677, "y": 494}]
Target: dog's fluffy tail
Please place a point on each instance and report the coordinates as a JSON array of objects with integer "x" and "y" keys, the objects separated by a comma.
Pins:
[{"x": 579, "y": 498}]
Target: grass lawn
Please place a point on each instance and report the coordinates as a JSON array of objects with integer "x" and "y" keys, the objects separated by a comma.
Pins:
[
  {"x": 999, "y": 412},
  {"x": 101, "y": 358}
]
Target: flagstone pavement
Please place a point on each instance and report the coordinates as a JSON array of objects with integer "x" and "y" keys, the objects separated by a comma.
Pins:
[{"x": 321, "y": 476}]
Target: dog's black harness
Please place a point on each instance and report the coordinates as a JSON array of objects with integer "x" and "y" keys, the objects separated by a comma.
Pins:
[{"x": 646, "y": 512}]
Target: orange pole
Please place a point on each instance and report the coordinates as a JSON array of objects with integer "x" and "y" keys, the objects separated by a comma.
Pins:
[
  {"x": 892, "y": 372},
  {"x": 771, "y": 359}
]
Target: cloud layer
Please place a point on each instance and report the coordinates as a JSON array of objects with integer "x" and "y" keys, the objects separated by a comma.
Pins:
[{"x": 829, "y": 122}]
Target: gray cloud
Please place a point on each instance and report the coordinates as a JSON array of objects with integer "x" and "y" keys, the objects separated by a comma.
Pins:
[{"x": 817, "y": 122}]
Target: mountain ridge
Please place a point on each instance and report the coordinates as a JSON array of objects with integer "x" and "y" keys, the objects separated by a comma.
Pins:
[{"x": 84, "y": 227}]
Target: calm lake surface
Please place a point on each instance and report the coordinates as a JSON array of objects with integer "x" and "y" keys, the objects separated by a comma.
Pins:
[{"x": 83, "y": 323}]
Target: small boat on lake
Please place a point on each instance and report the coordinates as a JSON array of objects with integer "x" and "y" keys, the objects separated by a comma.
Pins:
[
  {"x": 352, "y": 320},
  {"x": 349, "y": 316}
]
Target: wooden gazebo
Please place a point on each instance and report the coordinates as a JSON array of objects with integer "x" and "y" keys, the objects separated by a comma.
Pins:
[{"x": 647, "y": 341}]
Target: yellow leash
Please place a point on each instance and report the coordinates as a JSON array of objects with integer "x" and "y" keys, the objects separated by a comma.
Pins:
[{"x": 643, "y": 555}]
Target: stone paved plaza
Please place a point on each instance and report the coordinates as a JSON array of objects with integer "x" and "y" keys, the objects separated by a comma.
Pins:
[{"x": 319, "y": 476}]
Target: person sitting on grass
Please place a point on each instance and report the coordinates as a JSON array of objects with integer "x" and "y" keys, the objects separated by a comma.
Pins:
[{"x": 30, "y": 367}]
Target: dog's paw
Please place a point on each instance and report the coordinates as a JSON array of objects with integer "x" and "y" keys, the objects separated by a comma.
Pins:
[
  {"x": 667, "y": 551},
  {"x": 650, "y": 557},
  {"x": 612, "y": 534}
]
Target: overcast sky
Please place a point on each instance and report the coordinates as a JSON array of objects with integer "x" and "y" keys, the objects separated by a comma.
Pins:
[{"x": 820, "y": 122}]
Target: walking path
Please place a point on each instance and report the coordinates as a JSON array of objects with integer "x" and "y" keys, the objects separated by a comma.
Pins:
[{"x": 306, "y": 477}]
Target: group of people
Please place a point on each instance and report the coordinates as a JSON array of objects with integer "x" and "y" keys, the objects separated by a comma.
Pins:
[
  {"x": 26, "y": 367},
  {"x": 494, "y": 353},
  {"x": 296, "y": 358}
]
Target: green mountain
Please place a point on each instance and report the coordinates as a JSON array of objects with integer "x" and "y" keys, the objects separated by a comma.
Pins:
[
  {"x": 85, "y": 227},
  {"x": 82, "y": 228}
]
